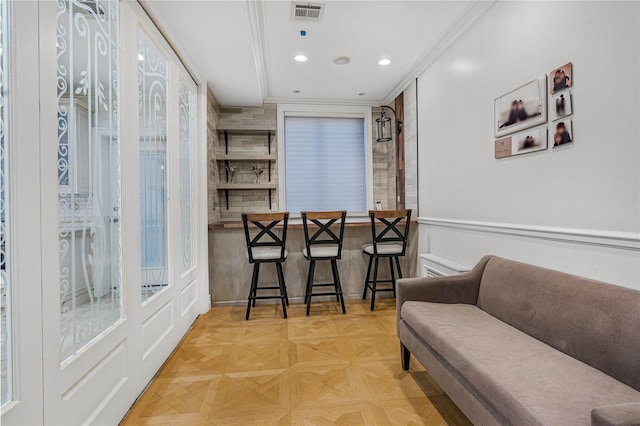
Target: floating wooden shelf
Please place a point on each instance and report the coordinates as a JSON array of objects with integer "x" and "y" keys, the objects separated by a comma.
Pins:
[
  {"x": 231, "y": 186},
  {"x": 240, "y": 156},
  {"x": 247, "y": 130}
]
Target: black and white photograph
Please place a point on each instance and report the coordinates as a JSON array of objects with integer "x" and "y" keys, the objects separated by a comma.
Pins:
[
  {"x": 561, "y": 133},
  {"x": 561, "y": 106},
  {"x": 521, "y": 108}
]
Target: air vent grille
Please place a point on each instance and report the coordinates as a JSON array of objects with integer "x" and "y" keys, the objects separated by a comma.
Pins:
[{"x": 307, "y": 12}]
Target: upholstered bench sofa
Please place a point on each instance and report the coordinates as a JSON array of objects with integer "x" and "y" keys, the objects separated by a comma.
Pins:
[{"x": 517, "y": 344}]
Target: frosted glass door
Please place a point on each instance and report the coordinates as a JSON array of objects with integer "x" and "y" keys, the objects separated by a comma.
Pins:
[
  {"x": 6, "y": 379},
  {"x": 88, "y": 171},
  {"x": 152, "y": 95}
]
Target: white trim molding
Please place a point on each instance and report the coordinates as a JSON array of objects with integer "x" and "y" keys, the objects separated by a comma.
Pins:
[
  {"x": 610, "y": 239},
  {"x": 255, "y": 12}
]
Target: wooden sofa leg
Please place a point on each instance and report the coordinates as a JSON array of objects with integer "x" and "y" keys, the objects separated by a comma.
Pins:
[{"x": 406, "y": 356}]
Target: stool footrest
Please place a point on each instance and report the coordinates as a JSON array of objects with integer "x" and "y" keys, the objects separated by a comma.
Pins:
[
  {"x": 267, "y": 297},
  {"x": 324, "y": 294}
]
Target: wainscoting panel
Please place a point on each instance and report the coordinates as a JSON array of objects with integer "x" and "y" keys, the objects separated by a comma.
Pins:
[
  {"x": 613, "y": 257},
  {"x": 101, "y": 383},
  {"x": 157, "y": 327},
  {"x": 188, "y": 297}
]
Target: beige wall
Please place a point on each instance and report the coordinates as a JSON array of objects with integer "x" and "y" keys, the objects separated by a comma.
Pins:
[{"x": 231, "y": 271}]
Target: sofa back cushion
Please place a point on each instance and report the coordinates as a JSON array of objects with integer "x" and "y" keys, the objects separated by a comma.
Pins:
[{"x": 596, "y": 323}]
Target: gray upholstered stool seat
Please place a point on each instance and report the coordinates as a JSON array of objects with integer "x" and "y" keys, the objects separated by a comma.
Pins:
[
  {"x": 328, "y": 250},
  {"x": 267, "y": 253},
  {"x": 389, "y": 248}
]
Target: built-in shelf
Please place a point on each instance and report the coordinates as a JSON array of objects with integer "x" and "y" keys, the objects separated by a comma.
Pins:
[
  {"x": 227, "y": 130},
  {"x": 242, "y": 156},
  {"x": 247, "y": 130},
  {"x": 242, "y": 186}
]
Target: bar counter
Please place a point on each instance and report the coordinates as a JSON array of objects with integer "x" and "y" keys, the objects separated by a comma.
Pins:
[{"x": 230, "y": 271}]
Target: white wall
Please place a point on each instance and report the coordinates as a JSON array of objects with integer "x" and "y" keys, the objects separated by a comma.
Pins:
[{"x": 593, "y": 184}]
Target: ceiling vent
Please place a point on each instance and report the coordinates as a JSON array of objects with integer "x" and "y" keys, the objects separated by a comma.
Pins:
[{"x": 307, "y": 12}]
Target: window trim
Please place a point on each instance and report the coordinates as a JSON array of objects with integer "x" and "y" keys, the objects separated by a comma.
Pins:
[{"x": 332, "y": 111}]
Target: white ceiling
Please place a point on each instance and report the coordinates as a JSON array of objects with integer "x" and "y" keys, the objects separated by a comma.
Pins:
[{"x": 245, "y": 49}]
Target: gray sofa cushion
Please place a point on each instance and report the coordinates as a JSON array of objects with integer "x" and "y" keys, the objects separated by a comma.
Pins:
[
  {"x": 526, "y": 380},
  {"x": 616, "y": 415},
  {"x": 594, "y": 322}
]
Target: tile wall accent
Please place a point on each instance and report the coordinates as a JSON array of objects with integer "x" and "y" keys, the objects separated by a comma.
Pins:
[
  {"x": 384, "y": 165},
  {"x": 384, "y": 186},
  {"x": 213, "y": 114},
  {"x": 411, "y": 148}
]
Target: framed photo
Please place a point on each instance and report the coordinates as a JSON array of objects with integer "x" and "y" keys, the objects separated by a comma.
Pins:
[
  {"x": 561, "y": 106},
  {"x": 561, "y": 133},
  {"x": 561, "y": 78},
  {"x": 530, "y": 140},
  {"x": 503, "y": 148},
  {"x": 521, "y": 108}
]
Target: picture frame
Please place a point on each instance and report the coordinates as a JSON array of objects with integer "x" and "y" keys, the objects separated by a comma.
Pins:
[
  {"x": 521, "y": 108},
  {"x": 525, "y": 142},
  {"x": 561, "y": 134},
  {"x": 561, "y": 78},
  {"x": 561, "y": 106}
]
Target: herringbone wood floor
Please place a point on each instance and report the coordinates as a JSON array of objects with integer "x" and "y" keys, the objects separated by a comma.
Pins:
[{"x": 324, "y": 369}]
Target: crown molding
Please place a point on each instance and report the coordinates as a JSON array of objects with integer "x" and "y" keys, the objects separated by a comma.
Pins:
[
  {"x": 257, "y": 24},
  {"x": 471, "y": 13}
]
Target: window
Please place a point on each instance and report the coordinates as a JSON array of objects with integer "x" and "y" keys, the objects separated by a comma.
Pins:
[{"x": 326, "y": 158}]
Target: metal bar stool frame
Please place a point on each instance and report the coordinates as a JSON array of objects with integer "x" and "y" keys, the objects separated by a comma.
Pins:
[
  {"x": 266, "y": 222},
  {"x": 395, "y": 231},
  {"x": 323, "y": 237}
]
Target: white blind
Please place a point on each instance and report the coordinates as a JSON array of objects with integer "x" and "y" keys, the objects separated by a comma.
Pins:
[{"x": 324, "y": 164}]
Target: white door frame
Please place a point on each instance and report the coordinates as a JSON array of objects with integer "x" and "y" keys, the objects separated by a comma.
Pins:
[
  {"x": 24, "y": 244},
  {"x": 99, "y": 383}
]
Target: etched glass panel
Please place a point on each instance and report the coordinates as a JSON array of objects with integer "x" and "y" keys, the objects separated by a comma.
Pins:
[
  {"x": 152, "y": 94},
  {"x": 88, "y": 170},
  {"x": 5, "y": 277},
  {"x": 187, "y": 178}
]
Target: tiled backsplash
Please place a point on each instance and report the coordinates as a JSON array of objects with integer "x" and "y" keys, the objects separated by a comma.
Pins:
[{"x": 384, "y": 185}]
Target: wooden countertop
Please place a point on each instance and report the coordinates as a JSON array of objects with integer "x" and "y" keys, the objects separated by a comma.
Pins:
[{"x": 236, "y": 224}]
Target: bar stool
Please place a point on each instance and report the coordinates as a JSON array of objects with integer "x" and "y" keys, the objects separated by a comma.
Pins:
[
  {"x": 390, "y": 242},
  {"x": 324, "y": 244},
  {"x": 266, "y": 247}
]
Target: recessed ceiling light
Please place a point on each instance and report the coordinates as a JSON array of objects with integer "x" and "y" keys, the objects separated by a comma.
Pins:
[
  {"x": 361, "y": 94},
  {"x": 296, "y": 91},
  {"x": 342, "y": 60},
  {"x": 300, "y": 58},
  {"x": 384, "y": 62}
]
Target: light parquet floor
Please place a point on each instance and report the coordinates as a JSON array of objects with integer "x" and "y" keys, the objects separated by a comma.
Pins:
[{"x": 324, "y": 369}]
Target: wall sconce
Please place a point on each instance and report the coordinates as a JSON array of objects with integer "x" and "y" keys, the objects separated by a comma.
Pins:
[{"x": 384, "y": 132}]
